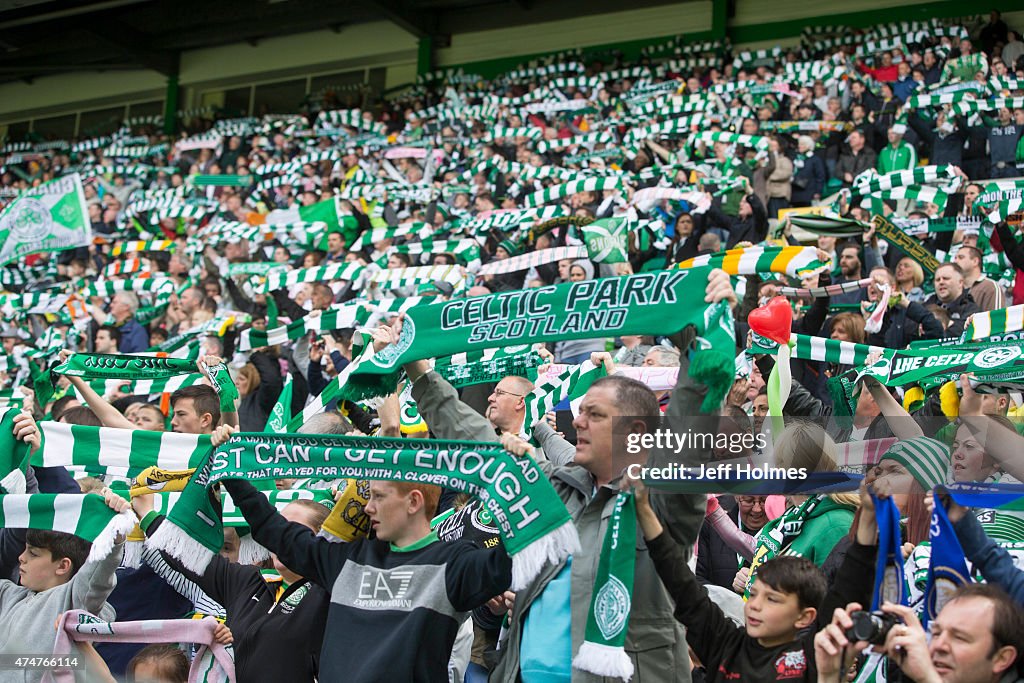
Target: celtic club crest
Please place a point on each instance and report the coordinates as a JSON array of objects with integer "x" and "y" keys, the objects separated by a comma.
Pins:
[
  {"x": 390, "y": 355},
  {"x": 993, "y": 358},
  {"x": 611, "y": 608},
  {"x": 29, "y": 221}
]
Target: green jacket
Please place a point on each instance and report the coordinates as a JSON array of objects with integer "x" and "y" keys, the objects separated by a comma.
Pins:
[
  {"x": 655, "y": 641},
  {"x": 902, "y": 157},
  {"x": 829, "y": 522}
]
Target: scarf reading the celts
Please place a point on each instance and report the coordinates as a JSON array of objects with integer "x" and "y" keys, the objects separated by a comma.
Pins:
[
  {"x": 778, "y": 533},
  {"x": 212, "y": 664},
  {"x": 602, "y": 652},
  {"x": 649, "y": 303},
  {"x": 999, "y": 364},
  {"x": 793, "y": 261},
  {"x": 536, "y": 528},
  {"x": 116, "y": 366}
]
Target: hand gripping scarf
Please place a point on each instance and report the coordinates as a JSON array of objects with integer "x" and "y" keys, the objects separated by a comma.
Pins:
[{"x": 535, "y": 526}]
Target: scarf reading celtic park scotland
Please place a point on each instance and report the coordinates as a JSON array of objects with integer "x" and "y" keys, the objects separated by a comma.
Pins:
[
  {"x": 649, "y": 303},
  {"x": 534, "y": 524},
  {"x": 115, "y": 366},
  {"x": 602, "y": 652}
]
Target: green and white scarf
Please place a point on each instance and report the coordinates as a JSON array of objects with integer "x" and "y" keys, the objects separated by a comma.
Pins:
[
  {"x": 1001, "y": 364},
  {"x": 532, "y": 259},
  {"x": 134, "y": 246},
  {"x": 807, "y": 347},
  {"x": 490, "y": 365},
  {"x": 13, "y": 454},
  {"x": 277, "y": 423},
  {"x": 116, "y": 366},
  {"x": 993, "y": 323},
  {"x": 606, "y": 240},
  {"x": 773, "y": 538},
  {"x": 319, "y": 322},
  {"x": 557, "y": 192},
  {"x": 536, "y": 527},
  {"x": 101, "y": 451},
  {"x": 572, "y": 383},
  {"x": 85, "y": 516},
  {"x": 603, "y": 652},
  {"x": 335, "y": 271}
]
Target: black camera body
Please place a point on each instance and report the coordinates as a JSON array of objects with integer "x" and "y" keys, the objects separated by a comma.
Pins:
[{"x": 872, "y": 627}]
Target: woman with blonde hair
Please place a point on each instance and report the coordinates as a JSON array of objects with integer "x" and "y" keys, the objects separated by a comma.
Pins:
[{"x": 909, "y": 278}]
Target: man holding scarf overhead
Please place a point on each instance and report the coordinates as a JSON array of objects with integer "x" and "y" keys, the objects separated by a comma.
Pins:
[{"x": 549, "y": 623}]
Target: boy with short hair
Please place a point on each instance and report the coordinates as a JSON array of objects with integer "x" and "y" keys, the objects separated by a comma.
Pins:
[
  {"x": 788, "y": 596},
  {"x": 55, "y": 578},
  {"x": 398, "y": 599}
]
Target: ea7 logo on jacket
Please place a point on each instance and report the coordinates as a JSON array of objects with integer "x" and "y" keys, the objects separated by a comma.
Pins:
[
  {"x": 381, "y": 588},
  {"x": 403, "y": 588}
]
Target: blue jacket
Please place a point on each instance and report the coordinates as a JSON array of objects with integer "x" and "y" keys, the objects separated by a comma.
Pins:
[
  {"x": 134, "y": 337},
  {"x": 994, "y": 563}
]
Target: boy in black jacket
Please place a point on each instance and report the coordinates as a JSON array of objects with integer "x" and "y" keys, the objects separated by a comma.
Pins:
[
  {"x": 396, "y": 601},
  {"x": 784, "y": 601}
]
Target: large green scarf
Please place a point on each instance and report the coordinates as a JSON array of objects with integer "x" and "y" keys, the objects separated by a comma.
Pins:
[
  {"x": 998, "y": 364},
  {"x": 649, "y": 303},
  {"x": 87, "y": 517},
  {"x": 491, "y": 365},
  {"x": 534, "y": 524},
  {"x": 13, "y": 454}
]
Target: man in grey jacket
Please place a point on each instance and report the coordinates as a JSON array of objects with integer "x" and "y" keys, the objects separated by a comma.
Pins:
[{"x": 549, "y": 617}]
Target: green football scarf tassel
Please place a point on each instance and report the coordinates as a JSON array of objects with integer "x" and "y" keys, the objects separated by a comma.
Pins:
[
  {"x": 535, "y": 526},
  {"x": 602, "y": 652}
]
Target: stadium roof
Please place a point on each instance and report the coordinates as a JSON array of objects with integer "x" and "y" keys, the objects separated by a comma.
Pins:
[{"x": 40, "y": 37}]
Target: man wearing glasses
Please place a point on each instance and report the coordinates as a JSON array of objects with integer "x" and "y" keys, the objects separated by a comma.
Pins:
[{"x": 723, "y": 557}]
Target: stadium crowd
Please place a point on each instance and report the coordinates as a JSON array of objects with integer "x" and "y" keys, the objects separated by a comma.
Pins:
[{"x": 850, "y": 210}]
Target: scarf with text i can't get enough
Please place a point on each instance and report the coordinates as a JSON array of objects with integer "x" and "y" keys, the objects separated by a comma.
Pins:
[
  {"x": 535, "y": 526},
  {"x": 649, "y": 303}
]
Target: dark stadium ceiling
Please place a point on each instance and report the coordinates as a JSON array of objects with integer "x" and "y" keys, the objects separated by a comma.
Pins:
[{"x": 41, "y": 37}]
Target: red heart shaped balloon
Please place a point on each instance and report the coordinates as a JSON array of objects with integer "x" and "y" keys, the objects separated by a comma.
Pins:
[{"x": 773, "y": 321}]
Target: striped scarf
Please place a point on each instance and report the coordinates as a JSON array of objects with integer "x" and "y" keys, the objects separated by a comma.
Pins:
[
  {"x": 993, "y": 323},
  {"x": 335, "y": 271},
  {"x": 572, "y": 383},
  {"x": 556, "y": 192},
  {"x": 317, "y": 321},
  {"x": 827, "y": 290},
  {"x": 86, "y": 516},
  {"x": 793, "y": 261},
  {"x": 137, "y": 245},
  {"x": 101, "y": 451},
  {"x": 807, "y": 347}
]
